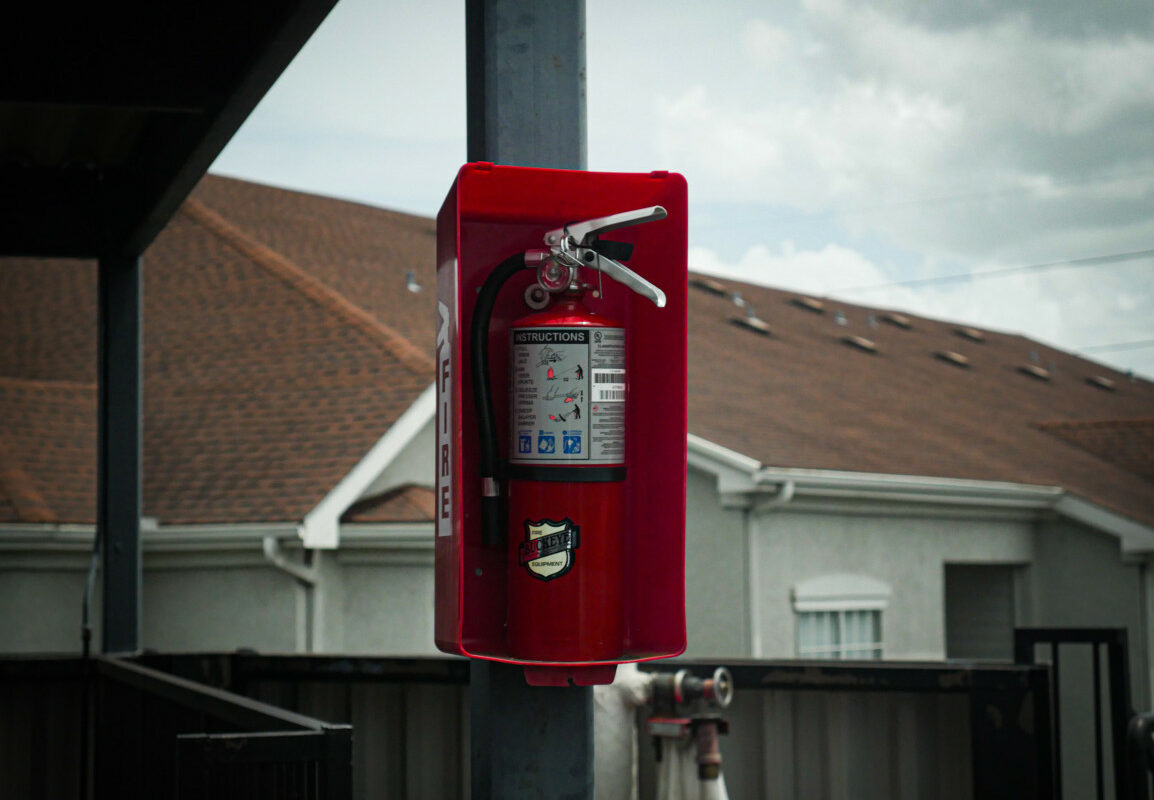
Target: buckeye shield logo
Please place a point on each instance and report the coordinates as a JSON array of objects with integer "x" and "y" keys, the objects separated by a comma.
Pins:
[{"x": 547, "y": 551}]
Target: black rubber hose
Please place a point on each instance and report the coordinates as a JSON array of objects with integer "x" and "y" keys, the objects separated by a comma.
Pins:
[{"x": 492, "y": 508}]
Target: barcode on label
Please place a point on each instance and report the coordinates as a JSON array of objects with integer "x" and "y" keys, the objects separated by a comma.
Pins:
[
  {"x": 609, "y": 376},
  {"x": 611, "y": 395}
]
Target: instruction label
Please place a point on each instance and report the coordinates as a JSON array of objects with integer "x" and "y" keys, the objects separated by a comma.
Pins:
[{"x": 568, "y": 396}]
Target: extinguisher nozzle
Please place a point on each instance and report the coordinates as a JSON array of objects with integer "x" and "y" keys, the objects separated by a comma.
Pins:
[{"x": 492, "y": 522}]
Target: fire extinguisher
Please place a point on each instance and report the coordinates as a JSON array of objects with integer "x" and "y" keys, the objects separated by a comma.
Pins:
[{"x": 561, "y": 514}]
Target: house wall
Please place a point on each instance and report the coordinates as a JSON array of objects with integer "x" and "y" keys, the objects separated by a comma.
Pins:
[
  {"x": 222, "y": 608},
  {"x": 1081, "y": 579},
  {"x": 212, "y": 589},
  {"x": 716, "y": 574},
  {"x": 908, "y": 551},
  {"x": 40, "y": 609},
  {"x": 383, "y": 609}
]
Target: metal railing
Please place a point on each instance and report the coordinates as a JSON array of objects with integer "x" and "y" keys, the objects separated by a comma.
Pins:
[
  {"x": 106, "y": 728},
  {"x": 1113, "y": 643}
]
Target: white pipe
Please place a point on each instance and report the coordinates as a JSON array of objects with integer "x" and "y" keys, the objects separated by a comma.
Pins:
[
  {"x": 275, "y": 555},
  {"x": 784, "y": 494}
]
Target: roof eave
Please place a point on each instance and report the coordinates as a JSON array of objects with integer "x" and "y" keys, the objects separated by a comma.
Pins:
[{"x": 743, "y": 482}]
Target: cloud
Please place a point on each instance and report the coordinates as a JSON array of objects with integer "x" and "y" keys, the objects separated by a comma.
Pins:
[
  {"x": 1112, "y": 304},
  {"x": 987, "y": 140}
]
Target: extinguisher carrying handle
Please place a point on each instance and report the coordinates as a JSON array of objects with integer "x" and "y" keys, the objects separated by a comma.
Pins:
[
  {"x": 489, "y": 467},
  {"x": 576, "y": 244},
  {"x": 583, "y": 234},
  {"x": 622, "y": 274}
]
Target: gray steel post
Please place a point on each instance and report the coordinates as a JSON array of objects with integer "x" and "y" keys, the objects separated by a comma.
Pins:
[
  {"x": 526, "y": 82},
  {"x": 526, "y": 107},
  {"x": 119, "y": 450}
]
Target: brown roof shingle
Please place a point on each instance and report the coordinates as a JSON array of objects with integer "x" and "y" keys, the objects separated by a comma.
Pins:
[
  {"x": 281, "y": 342},
  {"x": 408, "y": 503},
  {"x": 801, "y": 398},
  {"x": 263, "y": 384}
]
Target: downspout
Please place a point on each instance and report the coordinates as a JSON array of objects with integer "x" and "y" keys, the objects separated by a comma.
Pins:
[
  {"x": 784, "y": 494},
  {"x": 306, "y": 576}
]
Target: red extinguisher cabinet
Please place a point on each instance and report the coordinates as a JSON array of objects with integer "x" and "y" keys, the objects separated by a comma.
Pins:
[{"x": 587, "y": 394}]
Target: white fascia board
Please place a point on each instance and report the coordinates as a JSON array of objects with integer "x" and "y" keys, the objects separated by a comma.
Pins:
[
  {"x": 911, "y": 488},
  {"x": 736, "y": 473},
  {"x": 742, "y": 480},
  {"x": 321, "y": 527}
]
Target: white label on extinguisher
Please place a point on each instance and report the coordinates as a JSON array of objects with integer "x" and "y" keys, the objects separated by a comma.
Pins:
[
  {"x": 608, "y": 385},
  {"x": 568, "y": 390}
]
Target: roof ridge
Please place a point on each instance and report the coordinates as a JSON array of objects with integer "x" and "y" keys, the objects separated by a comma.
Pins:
[
  {"x": 40, "y": 383},
  {"x": 412, "y": 357},
  {"x": 21, "y": 491}
]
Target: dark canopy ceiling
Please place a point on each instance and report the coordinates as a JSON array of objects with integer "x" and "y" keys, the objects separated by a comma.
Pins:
[{"x": 110, "y": 115}]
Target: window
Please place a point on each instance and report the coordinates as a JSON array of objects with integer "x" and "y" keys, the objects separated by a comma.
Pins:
[
  {"x": 839, "y": 634},
  {"x": 840, "y": 617}
]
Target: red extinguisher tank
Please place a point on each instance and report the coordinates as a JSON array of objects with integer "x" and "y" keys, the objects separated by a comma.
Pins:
[{"x": 566, "y": 485}]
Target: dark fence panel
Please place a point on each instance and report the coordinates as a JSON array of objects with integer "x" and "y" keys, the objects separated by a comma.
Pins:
[
  {"x": 874, "y": 729},
  {"x": 43, "y": 728},
  {"x": 105, "y": 728},
  {"x": 1090, "y": 704},
  {"x": 410, "y": 714}
]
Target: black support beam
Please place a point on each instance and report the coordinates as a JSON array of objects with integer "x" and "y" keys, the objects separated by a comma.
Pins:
[{"x": 120, "y": 449}]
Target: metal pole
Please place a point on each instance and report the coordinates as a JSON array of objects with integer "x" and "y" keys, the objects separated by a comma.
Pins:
[
  {"x": 526, "y": 82},
  {"x": 119, "y": 450},
  {"x": 526, "y": 107}
]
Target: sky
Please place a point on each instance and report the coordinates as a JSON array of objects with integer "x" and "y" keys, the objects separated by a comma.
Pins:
[{"x": 886, "y": 153}]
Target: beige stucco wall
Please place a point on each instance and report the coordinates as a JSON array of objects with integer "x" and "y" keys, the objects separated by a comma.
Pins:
[{"x": 906, "y": 551}]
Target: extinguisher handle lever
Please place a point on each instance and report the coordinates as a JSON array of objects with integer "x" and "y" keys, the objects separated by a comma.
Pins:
[
  {"x": 582, "y": 234},
  {"x": 623, "y": 275}
]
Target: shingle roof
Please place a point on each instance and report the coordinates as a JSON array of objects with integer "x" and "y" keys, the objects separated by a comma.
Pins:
[
  {"x": 47, "y": 451},
  {"x": 408, "y": 503},
  {"x": 281, "y": 342},
  {"x": 263, "y": 384},
  {"x": 1127, "y": 443},
  {"x": 802, "y": 398}
]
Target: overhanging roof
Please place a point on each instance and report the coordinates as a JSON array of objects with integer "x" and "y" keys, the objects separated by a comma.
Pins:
[{"x": 110, "y": 114}]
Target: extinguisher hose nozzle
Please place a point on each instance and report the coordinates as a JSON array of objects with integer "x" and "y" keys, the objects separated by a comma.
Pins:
[{"x": 492, "y": 508}]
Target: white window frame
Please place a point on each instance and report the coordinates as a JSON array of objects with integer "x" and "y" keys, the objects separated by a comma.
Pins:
[{"x": 840, "y": 595}]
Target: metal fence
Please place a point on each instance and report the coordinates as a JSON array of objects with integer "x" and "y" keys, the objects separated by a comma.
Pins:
[
  {"x": 105, "y": 728},
  {"x": 872, "y": 729},
  {"x": 411, "y": 715},
  {"x": 1091, "y": 707},
  {"x": 217, "y": 726}
]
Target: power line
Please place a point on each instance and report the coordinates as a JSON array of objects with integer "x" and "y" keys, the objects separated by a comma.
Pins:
[
  {"x": 1104, "y": 348},
  {"x": 1091, "y": 261}
]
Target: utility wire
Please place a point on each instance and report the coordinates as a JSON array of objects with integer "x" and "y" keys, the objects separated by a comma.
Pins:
[
  {"x": 1104, "y": 348},
  {"x": 1091, "y": 261}
]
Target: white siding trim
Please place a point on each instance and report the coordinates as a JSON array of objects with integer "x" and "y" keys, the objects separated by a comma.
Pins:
[
  {"x": 742, "y": 482},
  {"x": 321, "y": 528},
  {"x": 841, "y": 592}
]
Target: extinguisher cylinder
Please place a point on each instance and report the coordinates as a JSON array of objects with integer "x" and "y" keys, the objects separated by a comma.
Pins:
[{"x": 566, "y": 576}]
